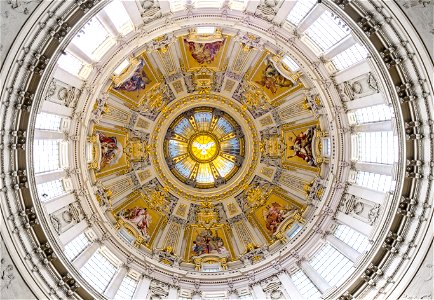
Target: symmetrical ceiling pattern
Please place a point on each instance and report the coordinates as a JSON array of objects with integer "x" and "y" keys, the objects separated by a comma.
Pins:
[
  {"x": 218, "y": 150},
  {"x": 205, "y": 148}
]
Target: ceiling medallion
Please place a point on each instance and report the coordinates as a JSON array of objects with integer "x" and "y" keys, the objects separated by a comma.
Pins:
[
  {"x": 224, "y": 167},
  {"x": 204, "y": 147}
]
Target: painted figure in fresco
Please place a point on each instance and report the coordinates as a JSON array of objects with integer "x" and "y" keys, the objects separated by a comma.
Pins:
[
  {"x": 272, "y": 79},
  {"x": 204, "y": 53},
  {"x": 140, "y": 217},
  {"x": 274, "y": 214},
  {"x": 137, "y": 81},
  {"x": 302, "y": 146},
  {"x": 208, "y": 243},
  {"x": 111, "y": 150}
]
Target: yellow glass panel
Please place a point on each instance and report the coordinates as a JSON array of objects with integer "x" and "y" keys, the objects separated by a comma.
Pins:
[{"x": 204, "y": 147}]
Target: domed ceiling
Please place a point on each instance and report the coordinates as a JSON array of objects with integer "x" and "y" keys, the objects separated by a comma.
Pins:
[
  {"x": 184, "y": 118},
  {"x": 217, "y": 149}
]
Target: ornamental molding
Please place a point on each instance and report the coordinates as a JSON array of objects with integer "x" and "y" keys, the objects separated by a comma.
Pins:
[{"x": 46, "y": 276}]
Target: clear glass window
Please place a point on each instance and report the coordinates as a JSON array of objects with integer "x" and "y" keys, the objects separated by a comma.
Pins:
[
  {"x": 332, "y": 265},
  {"x": 207, "y": 3},
  {"x": 300, "y": 10},
  {"x": 91, "y": 37},
  {"x": 75, "y": 247},
  {"x": 377, "y": 147},
  {"x": 46, "y": 155},
  {"x": 177, "y": 5},
  {"x": 376, "y": 113},
  {"x": 215, "y": 295},
  {"x": 123, "y": 65},
  {"x": 205, "y": 30},
  {"x": 294, "y": 230},
  {"x": 246, "y": 297},
  {"x": 51, "y": 189},
  {"x": 349, "y": 57},
  {"x": 238, "y": 4},
  {"x": 374, "y": 181},
  {"x": 70, "y": 63},
  {"x": 292, "y": 65},
  {"x": 119, "y": 16},
  {"x": 305, "y": 286},
  {"x": 98, "y": 271},
  {"x": 327, "y": 30},
  {"x": 352, "y": 238},
  {"x": 47, "y": 121},
  {"x": 127, "y": 288},
  {"x": 210, "y": 268}
]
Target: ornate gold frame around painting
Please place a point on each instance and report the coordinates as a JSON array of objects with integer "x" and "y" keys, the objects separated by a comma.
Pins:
[
  {"x": 286, "y": 224},
  {"x": 151, "y": 92},
  {"x": 120, "y": 223},
  {"x": 278, "y": 64},
  {"x": 94, "y": 165},
  {"x": 190, "y": 66},
  {"x": 226, "y": 238},
  {"x": 316, "y": 146}
]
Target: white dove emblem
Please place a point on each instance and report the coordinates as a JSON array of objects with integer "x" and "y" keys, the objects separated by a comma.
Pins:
[{"x": 203, "y": 147}]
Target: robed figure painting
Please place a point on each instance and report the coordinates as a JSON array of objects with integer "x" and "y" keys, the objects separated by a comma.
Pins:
[{"x": 140, "y": 218}]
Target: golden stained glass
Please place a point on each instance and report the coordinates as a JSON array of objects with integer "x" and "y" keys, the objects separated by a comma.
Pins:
[{"x": 204, "y": 147}]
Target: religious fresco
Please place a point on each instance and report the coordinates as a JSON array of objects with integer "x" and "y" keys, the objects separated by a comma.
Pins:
[
  {"x": 111, "y": 150},
  {"x": 109, "y": 155},
  {"x": 138, "y": 217},
  {"x": 208, "y": 242},
  {"x": 273, "y": 83},
  {"x": 272, "y": 80},
  {"x": 136, "y": 81},
  {"x": 276, "y": 213},
  {"x": 301, "y": 145},
  {"x": 204, "y": 51},
  {"x": 204, "y": 241}
]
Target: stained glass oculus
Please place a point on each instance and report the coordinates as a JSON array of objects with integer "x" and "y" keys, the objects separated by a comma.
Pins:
[{"x": 204, "y": 147}]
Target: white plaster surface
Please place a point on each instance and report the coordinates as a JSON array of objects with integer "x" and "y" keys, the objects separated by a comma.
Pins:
[
  {"x": 12, "y": 286},
  {"x": 13, "y": 15},
  {"x": 421, "y": 287},
  {"x": 421, "y": 14}
]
